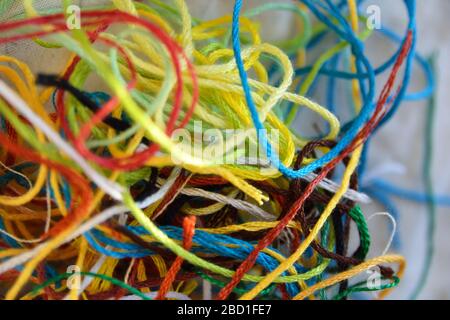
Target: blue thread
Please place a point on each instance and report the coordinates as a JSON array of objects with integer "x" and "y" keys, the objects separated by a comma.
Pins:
[
  {"x": 441, "y": 200},
  {"x": 205, "y": 243},
  {"x": 357, "y": 48}
]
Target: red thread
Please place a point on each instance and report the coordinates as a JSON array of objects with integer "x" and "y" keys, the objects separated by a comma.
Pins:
[
  {"x": 79, "y": 183},
  {"x": 362, "y": 136},
  {"x": 188, "y": 234},
  {"x": 107, "y": 18}
]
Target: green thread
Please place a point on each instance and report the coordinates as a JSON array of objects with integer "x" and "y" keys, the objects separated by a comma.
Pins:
[
  {"x": 362, "y": 287},
  {"x": 114, "y": 281},
  {"x": 428, "y": 181}
]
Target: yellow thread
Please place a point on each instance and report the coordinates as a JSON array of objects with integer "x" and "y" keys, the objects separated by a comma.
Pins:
[
  {"x": 313, "y": 233},
  {"x": 353, "y": 272}
]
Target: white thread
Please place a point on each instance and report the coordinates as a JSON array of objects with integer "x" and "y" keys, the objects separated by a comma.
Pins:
[
  {"x": 111, "y": 188},
  {"x": 130, "y": 267},
  {"x": 394, "y": 228},
  {"x": 18, "y": 173},
  {"x": 85, "y": 227},
  {"x": 238, "y": 204},
  {"x": 331, "y": 186},
  {"x": 207, "y": 290}
]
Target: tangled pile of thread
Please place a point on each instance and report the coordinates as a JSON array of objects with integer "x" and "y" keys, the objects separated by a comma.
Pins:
[{"x": 100, "y": 201}]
